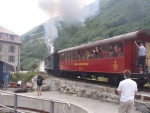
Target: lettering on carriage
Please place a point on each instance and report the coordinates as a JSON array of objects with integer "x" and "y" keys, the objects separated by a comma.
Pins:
[
  {"x": 80, "y": 68},
  {"x": 76, "y": 64},
  {"x": 115, "y": 65},
  {"x": 81, "y": 64}
]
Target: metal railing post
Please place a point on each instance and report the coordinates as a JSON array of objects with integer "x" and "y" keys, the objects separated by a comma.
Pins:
[
  {"x": 51, "y": 106},
  {"x": 15, "y": 103}
]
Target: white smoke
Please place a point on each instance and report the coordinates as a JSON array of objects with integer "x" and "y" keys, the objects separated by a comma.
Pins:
[
  {"x": 51, "y": 33},
  {"x": 41, "y": 68},
  {"x": 70, "y": 11}
]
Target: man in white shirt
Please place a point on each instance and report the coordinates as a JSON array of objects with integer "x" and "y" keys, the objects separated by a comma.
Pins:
[
  {"x": 127, "y": 90},
  {"x": 141, "y": 55}
]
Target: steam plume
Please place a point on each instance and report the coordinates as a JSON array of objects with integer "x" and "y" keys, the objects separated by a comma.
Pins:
[{"x": 70, "y": 11}]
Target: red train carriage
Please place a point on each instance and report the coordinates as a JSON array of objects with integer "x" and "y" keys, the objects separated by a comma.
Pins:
[{"x": 108, "y": 57}]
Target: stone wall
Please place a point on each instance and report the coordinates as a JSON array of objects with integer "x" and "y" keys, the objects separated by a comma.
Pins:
[{"x": 102, "y": 93}]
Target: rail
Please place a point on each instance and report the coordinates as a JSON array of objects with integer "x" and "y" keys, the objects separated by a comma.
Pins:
[{"x": 16, "y": 100}]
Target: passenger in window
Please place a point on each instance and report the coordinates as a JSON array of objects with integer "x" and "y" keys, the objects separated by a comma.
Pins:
[
  {"x": 88, "y": 55},
  {"x": 93, "y": 53},
  {"x": 83, "y": 54},
  {"x": 97, "y": 52},
  {"x": 111, "y": 51},
  {"x": 79, "y": 56},
  {"x": 118, "y": 50},
  {"x": 102, "y": 52}
]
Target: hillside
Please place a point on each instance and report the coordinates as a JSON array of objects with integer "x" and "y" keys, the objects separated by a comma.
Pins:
[
  {"x": 34, "y": 49},
  {"x": 116, "y": 17}
]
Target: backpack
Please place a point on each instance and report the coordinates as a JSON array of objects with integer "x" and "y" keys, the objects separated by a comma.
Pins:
[{"x": 39, "y": 81}]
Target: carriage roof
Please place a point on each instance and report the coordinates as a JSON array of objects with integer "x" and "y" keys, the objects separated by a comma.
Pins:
[{"x": 127, "y": 36}]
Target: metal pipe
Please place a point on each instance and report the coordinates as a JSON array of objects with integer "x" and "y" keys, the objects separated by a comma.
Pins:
[
  {"x": 15, "y": 103},
  {"x": 51, "y": 106}
]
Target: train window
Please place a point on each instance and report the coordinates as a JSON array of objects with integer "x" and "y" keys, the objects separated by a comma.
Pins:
[
  {"x": 88, "y": 53},
  {"x": 97, "y": 51},
  {"x": 102, "y": 51},
  {"x": 75, "y": 55},
  {"x": 60, "y": 57},
  {"x": 93, "y": 53},
  {"x": 119, "y": 49},
  {"x": 71, "y": 55},
  {"x": 68, "y": 56},
  {"x": 79, "y": 55},
  {"x": 83, "y": 54},
  {"x": 105, "y": 48},
  {"x": 65, "y": 57},
  {"x": 111, "y": 50}
]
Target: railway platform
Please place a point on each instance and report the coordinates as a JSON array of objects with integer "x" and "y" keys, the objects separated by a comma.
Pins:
[{"x": 93, "y": 105}]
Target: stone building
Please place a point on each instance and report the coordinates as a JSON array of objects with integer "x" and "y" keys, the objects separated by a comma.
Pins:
[{"x": 10, "y": 48}]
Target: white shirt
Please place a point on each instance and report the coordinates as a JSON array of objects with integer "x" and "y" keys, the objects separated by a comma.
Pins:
[
  {"x": 127, "y": 88},
  {"x": 142, "y": 51}
]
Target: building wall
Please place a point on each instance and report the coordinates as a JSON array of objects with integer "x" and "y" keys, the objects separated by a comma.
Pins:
[{"x": 6, "y": 41}]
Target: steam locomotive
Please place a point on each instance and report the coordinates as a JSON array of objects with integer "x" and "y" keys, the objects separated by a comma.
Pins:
[{"x": 82, "y": 61}]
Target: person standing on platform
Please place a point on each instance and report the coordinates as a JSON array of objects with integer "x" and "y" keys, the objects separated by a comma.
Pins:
[
  {"x": 39, "y": 83},
  {"x": 6, "y": 80},
  {"x": 141, "y": 55},
  {"x": 127, "y": 90}
]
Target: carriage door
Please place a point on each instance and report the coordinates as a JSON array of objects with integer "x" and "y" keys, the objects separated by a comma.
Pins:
[
  {"x": 130, "y": 55},
  {"x": 147, "y": 45}
]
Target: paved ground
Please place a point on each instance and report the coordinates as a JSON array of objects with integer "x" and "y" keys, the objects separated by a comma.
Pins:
[{"x": 91, "y": 104}]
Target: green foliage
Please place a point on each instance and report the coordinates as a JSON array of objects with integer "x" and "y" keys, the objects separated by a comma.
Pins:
[
  {"x": 32, "y": 52},
  {"x": 25, "y": 77}
]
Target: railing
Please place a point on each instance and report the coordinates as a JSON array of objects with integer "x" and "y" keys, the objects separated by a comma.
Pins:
[{"x": 16, "y": 101}]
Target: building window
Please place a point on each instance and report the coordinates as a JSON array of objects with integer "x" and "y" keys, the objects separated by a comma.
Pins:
[
  {"x": 12, "y": 38},
  {"x": 11, "y": 59},
  {"x": 0, "y": 57},
  {"x": 2, "y": 36},
  {"x": 11, "y": 49},
  {"x": 0, "y": 47}
]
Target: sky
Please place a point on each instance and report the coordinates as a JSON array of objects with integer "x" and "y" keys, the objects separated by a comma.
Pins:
[{"x": 20, "y": 16}]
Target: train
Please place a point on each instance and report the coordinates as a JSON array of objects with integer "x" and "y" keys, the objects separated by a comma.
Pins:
[{"x": 82, "y": 60}]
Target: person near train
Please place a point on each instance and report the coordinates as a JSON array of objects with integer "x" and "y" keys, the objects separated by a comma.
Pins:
[
  {"x": 127, "y": 90},
  {"x": 141, "y": 56},
  {"x": 39, "y": 83},
  {"x": 6, "y": 80}
]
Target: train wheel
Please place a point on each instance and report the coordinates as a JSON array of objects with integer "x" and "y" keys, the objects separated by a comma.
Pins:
[
  {"x": 141, "y": 82},
  {"x": 110, "y": 80},
  {"x": 115, "y": 80}
]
